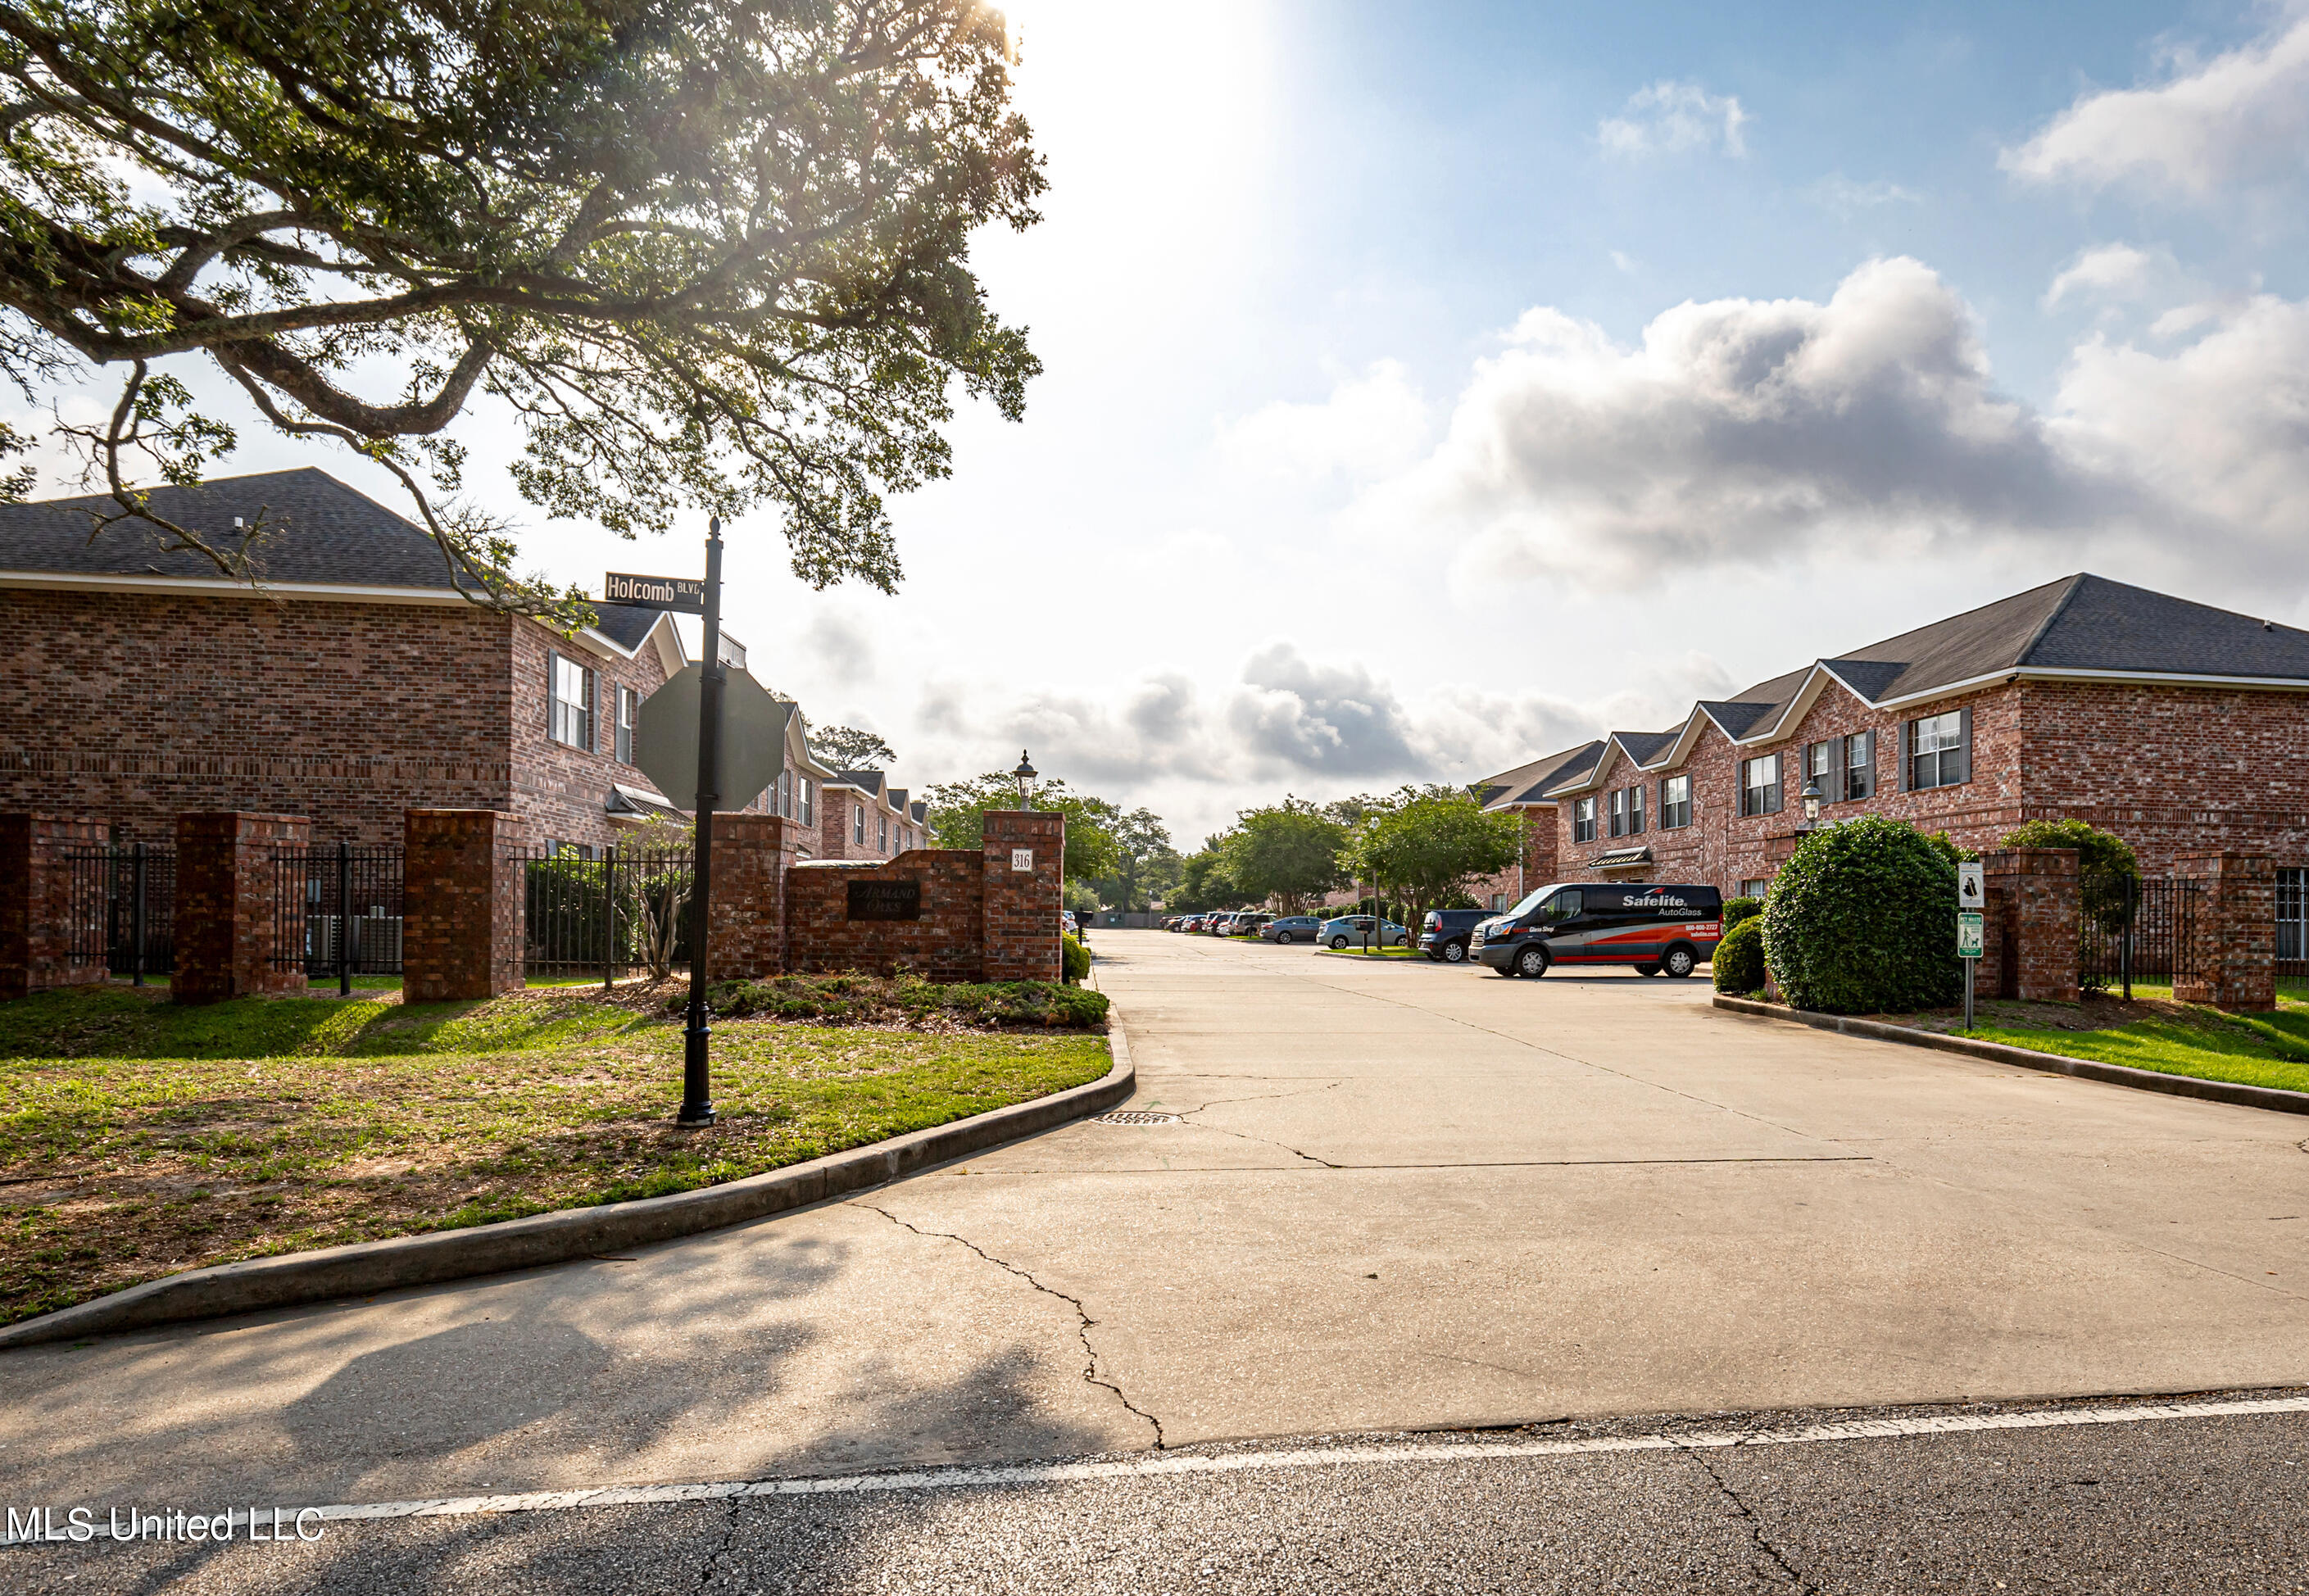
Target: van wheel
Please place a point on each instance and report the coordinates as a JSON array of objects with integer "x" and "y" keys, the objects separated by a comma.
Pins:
[
  {"x": 1337, "y": 943},
  {"x": 1454, "y": 952},
  {"x": 1647, "y": 970},
  {"x": 1532, "y": 962},
  {"x": 1679, "y": 962}
]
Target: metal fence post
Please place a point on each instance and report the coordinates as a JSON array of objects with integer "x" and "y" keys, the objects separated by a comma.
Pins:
[
  {"x": 344, "y": 919},
  {"x": 608, "y": 918},
  {"x": 2124, "y": 952},
  {"x": 136, "y": 915}
]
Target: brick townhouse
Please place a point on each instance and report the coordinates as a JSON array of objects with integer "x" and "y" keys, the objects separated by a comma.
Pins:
[
  {"x": 356, "y": 683},
  {"x": 2176, "y": 725}
]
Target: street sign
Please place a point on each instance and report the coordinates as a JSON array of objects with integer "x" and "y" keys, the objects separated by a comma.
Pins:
[
  {"x": 1971, "y": 887},
  {"x": 752, "y": 737},
  {"x": 1969, "y": 934},
  {"x": 686, "y": 594}
]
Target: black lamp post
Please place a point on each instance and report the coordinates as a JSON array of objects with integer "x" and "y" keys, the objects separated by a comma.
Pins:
[
  {"x": 1025, "y": 773},
  {"x": 1811, "y": 803}
]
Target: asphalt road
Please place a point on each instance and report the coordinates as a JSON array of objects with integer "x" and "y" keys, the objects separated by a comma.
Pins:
[
  {"x": 1394, "y": 1197},
  {"x": 2159, "y": 1507}
]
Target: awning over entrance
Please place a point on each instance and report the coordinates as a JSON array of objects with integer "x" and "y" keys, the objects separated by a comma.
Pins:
[
  {"x": 636, "y": 803},
  {"x": 1620, "y": 858}
]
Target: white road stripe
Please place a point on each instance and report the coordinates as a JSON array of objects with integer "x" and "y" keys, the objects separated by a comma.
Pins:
[{"x": 1159, "y": 1465}]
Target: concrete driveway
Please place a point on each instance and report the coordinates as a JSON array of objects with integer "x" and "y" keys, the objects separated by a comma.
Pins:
[{"x": 1395, "y": 1194}]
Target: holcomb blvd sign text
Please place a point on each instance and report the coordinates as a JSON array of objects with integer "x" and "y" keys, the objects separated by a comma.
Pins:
[{"x": 683, "y": 593}]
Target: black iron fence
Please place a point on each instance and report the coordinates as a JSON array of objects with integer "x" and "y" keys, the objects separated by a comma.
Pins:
[
  {"x": 123, "y": 908},
  {"x": 2137, "y": 927},
  {"x": 619, "y": 914},
  {"x": 337, "y": 911}
]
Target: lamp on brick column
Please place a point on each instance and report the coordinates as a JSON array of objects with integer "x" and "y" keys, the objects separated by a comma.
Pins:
[
  {"x": 1811, "y": 805},
  {"x": 1025, "y": 773}
]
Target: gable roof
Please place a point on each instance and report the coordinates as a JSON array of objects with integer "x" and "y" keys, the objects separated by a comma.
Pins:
[
  {"x": 317, "y": 533},
  {"x": 2080, "y": 628},
  {"x": 1527, "y": 782}
]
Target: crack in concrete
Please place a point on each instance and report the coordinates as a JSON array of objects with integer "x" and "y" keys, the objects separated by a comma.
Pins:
[
  {"x": 1083, "y": 1325},
  {"x": 720, "y": 1552},
  {"x": 1755, "y": 1525}
]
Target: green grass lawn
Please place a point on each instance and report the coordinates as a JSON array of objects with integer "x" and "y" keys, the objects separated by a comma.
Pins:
[
  {"x": 2178, "y": 1038},
  {"x": 138, "y": 1138},
  {"x": 1355, "y": 949}
]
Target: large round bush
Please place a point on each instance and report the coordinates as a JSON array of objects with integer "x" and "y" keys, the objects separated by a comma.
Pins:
[
  {"x": 1738, "y": 960},
  {"x": 1862, "y": 919},
  {"x": 1736, "y": 910}
]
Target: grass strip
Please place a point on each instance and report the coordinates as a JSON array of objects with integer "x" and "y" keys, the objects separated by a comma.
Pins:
[
  {"x": 138, "y": 1138},
  {"x": 2249, "y": 1050}
]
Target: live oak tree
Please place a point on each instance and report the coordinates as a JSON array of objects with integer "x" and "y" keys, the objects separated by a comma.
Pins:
[
  {"x": 848, "y": 748},
  {"x": 1145, "y": 862},
  {"x": 703, "y": 253},
  {"x": 1286, "y": 854},
  {"x": 957, "y": 814},
  {"x": 1428, "y": 843}
]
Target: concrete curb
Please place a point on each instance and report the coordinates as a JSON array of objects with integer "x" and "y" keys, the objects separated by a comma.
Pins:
[
  {"x": 368, "y": 1267},
  {"x": 2113, "y": 1075}
]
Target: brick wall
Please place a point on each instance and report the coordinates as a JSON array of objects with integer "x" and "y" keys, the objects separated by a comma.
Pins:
[
  {"x": 226, "y": 927},
  {"x": 945, "y": 943},
  {"x": 463, "y": 904},
  {"x": 559, "y": 790},
  {"x": 1538, "y": 828},
  {"x": 2235, "y": 953},
  {"x": 1023, "y": 903},
  {"x": 35, "y": 952},
  {"x": 136, "y": 707},
  {"x": 2037, "y": 937},
  {"x": 753, "y": 854}
]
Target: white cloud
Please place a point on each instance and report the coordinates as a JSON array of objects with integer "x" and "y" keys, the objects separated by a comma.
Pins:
[
  {"x": 2241, "y": 117},
  {"x": 2108, "y": 271},
  {"x": 1740, "y": 431},
  {"x": 1840, "y": 193},
  {"x": 1370, "y": 425},
  {"x": 1670, "y": 118}
]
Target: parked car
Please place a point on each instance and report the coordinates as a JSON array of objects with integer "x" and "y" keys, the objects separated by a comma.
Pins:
[
  {"x": 1250, "y": 923},
  {"x": 1350, "y": 928},
  {"x": 1193, "y": 922},
  {"x": 1291, "y": 928},
  {"x": 1661, "y": 929},
  {"x": 1444, "y": 934}
]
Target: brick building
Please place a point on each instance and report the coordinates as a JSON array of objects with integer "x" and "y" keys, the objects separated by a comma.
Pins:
[
  {"x": 2174, "y": 725},
  {"x": 356, "y": 682}
]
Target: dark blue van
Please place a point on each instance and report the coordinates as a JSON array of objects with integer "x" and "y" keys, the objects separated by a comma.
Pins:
[{"x": 1660, "y": 930}]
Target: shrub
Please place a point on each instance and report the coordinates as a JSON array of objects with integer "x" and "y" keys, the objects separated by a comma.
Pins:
[
  {"x": 1862, "y": 919},
  {"x": 906, "y": 999},
  {"x": 1078, "y": 961},
  {"x": 2103, "y": 859},
  {"x": 1738, "y": 960},
  {"x": 1740, "y": 908},
  {"x": 1945, "y": 846},
  {"x": 2098, "y": 852}
]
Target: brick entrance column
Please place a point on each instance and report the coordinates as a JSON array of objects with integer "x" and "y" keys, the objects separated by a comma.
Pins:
[
  {"x": 227, "y": 919},
  {"x": 2039, "y": 937},
  {"x": 461, "y": 899},
  {"x": 1023, "y": 852},
  {"x": 751, "y": 856},
  {"x": 2235, "y": 944},
  {"x": 36, "y": 941}
]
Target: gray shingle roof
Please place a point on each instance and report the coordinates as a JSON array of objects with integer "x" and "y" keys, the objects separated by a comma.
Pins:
[
  {"x": 1528, "y": 781},
  {"x": 1644, "y": 746},
  {"x": 864, "y": 780},
  {"x": 316, "y": 531}
]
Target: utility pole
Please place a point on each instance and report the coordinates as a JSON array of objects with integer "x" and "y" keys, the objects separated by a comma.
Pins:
[{"x": 696, "y": 1077}]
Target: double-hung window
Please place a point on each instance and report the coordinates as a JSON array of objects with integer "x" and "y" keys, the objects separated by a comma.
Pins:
[
  {"x": 858, "y": 825},
  {"x": 1674, "y": 802},
  {"x": 569, "y": 701},
  {"x": 1583, "y": 819},
  {"x": 809, "y": 815},
  {"x": 1940, "y": 750},
  {"x": 1820, "y": 769},
  {"x": 629, "y": 701},
  {"x": 882, "y": 832},
  {"x": 1619, "y": 811},
  {"x": 1759, "y": 785},
  {"x": 1860, "y": 765}
]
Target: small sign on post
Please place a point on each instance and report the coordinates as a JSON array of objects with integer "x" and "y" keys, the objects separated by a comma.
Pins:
[
  {"x": 1971, "y": 887},
  {"x": 683, "y": 594},
  {"x": 1971, "y": 934}
]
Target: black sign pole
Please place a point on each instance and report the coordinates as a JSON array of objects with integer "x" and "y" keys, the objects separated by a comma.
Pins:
[{"x": 696, "y": 1082}]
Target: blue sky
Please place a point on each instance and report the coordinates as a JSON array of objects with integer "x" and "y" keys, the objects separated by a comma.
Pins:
[{"x": 1431, "y": 387}]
